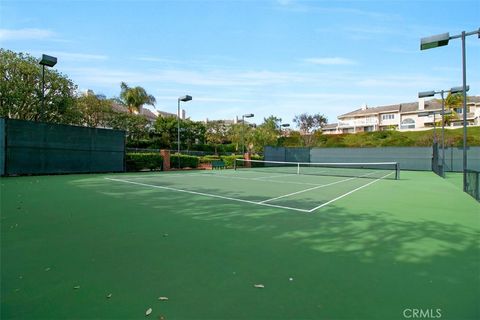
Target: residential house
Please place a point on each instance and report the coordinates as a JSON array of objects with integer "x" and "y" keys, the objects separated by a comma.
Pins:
[{"x": 419, "y": 115}]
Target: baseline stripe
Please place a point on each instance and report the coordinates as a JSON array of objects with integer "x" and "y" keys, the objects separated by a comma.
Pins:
[{"x": 206, "y": 194}]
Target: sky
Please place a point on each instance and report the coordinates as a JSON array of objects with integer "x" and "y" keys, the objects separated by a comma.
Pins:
[{"x": 267, "y": 57}]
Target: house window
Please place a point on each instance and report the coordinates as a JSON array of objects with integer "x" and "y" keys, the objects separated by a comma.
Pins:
[
  {"x": 407, "y": 123},
  {"x": 389, "y": 116},
  {"x": 368, "y": 129},
  {"x": 459, "y": 110}
]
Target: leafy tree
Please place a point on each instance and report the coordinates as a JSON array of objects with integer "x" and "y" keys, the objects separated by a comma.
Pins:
[
  {"x": 136, "y": 126},
  {"x": 194, "y": 132},
  {"x": 21, "y": 91},
  {"x": 216, "y": 133},
  {"x": 190, "y": 131},
  {"x": 95, "y": 112},
  {"x": 266, "y": 133},
  {"x": 234, "y": 135},
  {"x": 135, "y": 98},
  {"x": 166, "y": 130},
  {"x": 309, "y": 124}
]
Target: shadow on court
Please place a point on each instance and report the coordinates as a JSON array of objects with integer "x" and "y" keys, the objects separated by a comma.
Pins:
[{"x": 355, "y": 259}]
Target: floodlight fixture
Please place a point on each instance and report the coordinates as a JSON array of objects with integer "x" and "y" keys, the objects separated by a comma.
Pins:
[
  {"x": 249, "y": 115},
  {"x": 185, "y": 98},
  {"x": 424, "y": 114},
  {"x": 48, "y": 61},
  {"x": 458, "y": 89},
  {"x": 285, "y": 125},
  {"x": 426, "y": 94},
  {"x": 438, "y": 40}
]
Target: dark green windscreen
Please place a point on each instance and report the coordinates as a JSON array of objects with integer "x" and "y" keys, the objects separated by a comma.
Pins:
[
  {"x": 2, "y": 146},
  {"x": 43, "y": 148}
]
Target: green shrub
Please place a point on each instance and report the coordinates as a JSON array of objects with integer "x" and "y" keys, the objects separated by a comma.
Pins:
[
  {"x": 228, "y": 160},
  {"x": 143, "y": 161},
  {"x": 185, "y": 161},
  {"x": 208, "y": 158}
]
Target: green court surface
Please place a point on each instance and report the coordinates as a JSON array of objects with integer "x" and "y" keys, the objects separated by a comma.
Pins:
[{"x": 323, "y": 247}]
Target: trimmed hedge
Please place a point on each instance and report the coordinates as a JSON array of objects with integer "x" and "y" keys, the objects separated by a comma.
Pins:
[
  {"x": 185, "y": 161},
  {"x": 227, "y": 159},
  {"x": 142, "y": 161}
]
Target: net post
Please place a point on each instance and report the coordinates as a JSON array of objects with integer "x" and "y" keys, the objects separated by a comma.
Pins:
[
  {"x": 397, "y": 171},
  {"x": 298, "y": 168},
  {"x": 235, "y": 164}
]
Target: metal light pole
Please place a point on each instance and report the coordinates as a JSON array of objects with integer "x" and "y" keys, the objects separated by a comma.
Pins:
[
  {"x": 442, "y": 40},
  {"x": 249, "y": 115},
  {"x": 48, "y": 61},
  {"x": 183, "y": 99},
  {"x": 432, "y": 93},
  {"x": 283, "y": 125}
]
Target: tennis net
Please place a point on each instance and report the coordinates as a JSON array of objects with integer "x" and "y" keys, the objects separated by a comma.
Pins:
[{"x": 372, "y": 170}]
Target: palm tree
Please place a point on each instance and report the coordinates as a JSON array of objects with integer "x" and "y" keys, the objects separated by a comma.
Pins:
[
  {"x": 452, "y": 102},
  {"x": 135, "y": 98}
]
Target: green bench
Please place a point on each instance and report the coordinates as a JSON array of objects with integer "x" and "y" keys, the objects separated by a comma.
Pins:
[{"x": 218, "y": 164}]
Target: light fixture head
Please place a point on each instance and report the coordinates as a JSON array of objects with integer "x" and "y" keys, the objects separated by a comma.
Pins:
[
  {"x": 426, "y": 94},
  {"x": 185, "y": 98},
  {"x": 249, "y": 115},
  {"x": 48, "y": 61},
  {"x": 438, "y": 40},
  {"x": 458, "y": 89},
  {"x": 424, "y": 114}
]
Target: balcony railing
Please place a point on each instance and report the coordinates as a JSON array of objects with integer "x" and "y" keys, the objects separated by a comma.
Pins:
[{"x": 358, "y": 122}]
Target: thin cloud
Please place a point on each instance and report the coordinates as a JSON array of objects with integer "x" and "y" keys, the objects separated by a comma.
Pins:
[
  {"x": 219, "y": 78},
  {"x": 307, "y": 7},
  {"x": 26, "y": 34},
  {"x": 72, "y": 56},
  {"x": 156, "y": 59},
  {"x": 330, "y": 61}
]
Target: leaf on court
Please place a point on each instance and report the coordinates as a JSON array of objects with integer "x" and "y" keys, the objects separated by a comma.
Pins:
[
  {"x": 47, "y": 269},
  {"x": 76, "y": 287},
  {"x": 260, "y": 286},
  {"x": 163, "y": 298},
  {"x": 148, "y": 312},
  {"x": 109, "y": 296}
]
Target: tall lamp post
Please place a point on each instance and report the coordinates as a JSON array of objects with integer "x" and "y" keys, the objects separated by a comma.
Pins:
[
  {"x": 248, "y": 115},
  {"x": 440, "y": 40},
  {"x": 48, "y": 61},
  {"x": 283, "y": 125},
  {"x": 426, "y": 94},
  {"x": 183, "y": 99}
]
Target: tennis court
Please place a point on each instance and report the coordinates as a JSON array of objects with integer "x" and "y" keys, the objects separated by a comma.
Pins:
[
  {"x": 257, "y": 243},
  {"x": 273, "y": 184}
]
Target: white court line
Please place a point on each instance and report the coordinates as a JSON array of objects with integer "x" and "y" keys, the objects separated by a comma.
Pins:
[
  {"x": 350, "y": 192},
  {"x": 317, "y": 187},
  {"x": 309, "y": 189},
  {"x": 275, "y": 176},
  {"x": 258, "y": 179},
  {"x": 220, "y": 175},
  {"x": 205, "y": 194}
]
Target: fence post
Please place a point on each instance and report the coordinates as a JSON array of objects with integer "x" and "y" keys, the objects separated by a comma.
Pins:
[
  {"x": 247, "y": 157},
  {"x": 166, "y": 159}
]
